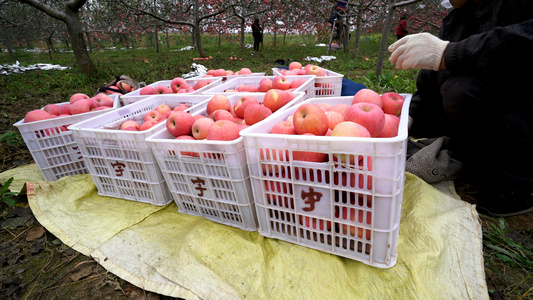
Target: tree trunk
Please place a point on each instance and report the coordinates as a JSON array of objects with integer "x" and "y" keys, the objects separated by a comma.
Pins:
[
  {"x": 8, "y": 44},
  {"x": 384, "y": 39},
  {"x": 242, "y": 34},
  {"x": 198, "y": 38},
  {"x": 168, "y": 39},
  {"x": 87, "y": 34},
  {"x": 156, "y": 36},
  {"x": 284, "y": 36},
  {"x": 274, "y": 38},
  {"x": 75, "y": 32},
  {"x": 358, "y": 29},
  {"x": 219, "y": 39}
]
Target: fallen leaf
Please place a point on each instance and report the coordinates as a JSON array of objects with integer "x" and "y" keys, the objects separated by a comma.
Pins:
[
  {"x": 35, "y": 233},
  {"x": 82, "y": 273}
]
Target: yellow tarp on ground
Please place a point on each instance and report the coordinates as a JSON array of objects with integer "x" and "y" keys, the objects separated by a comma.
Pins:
[{"x": 163, "y": 251}]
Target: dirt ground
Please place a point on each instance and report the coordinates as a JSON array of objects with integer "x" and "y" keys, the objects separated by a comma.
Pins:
[{"x": 37, "y": 265}]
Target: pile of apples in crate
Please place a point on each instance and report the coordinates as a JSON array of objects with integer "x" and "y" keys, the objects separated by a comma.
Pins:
[
  {"x": 224, "y": 72},
  {"x": 370, "y": 115},
  {"x": 79, "y": 103},
  {"x": 178, "y": 85},
  {"x": 296, "y": 68}
]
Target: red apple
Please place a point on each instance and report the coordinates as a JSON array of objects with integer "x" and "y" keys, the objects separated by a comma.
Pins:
[
  {"x": 367, "y": 96},
  {"x": 245, "y": 71},
  {"x": 65, "y": 109},
  {"x": 178, "y": 83},
  {"x": 334, "y": 118},
  {"x": 350, "y": 129},
  {"x": 390, "y": 129},
  {"x": 147, "y": 125},
  {"x": 272, "y": 156},
  {"x": 82, "y": 106},
  {"x": 264, "y": 85},
  {"x": 147, "y": 90},
  {"x": 182, "y": 107},
  {"x": 297, "y": 83},
  {"x": 309, "y": 118},
  {"x": 53, "y": 109},
  {"x": 162, "y": 109},
  {"x": 309, "y": 156},
  {"x": 78, "y": 96},
  {"x": 103, "y": 99},
  {"x": 255, "y": 113},
  {"x": 295, "y": 65},
  {"x": 367, "y": 114},
  {"x": 315, "y": 223},
  {"x": 130, "y": 123},
  {"x": 218, "y": 101},
  {"x": 223, "y": 130},
  {"x": 219, "y": 72},
  {"x": 275, "y": 99},
  {"x": 240, "y": 105},
  {"x": 161, "y": 89},
  {"x": 188, "y": 153},
  {"x": 153, "y": 115},
  {"x": 37, "y": 115},
  {"x": 221, "y": 114},
  {"x": 200, "y": 128},
  {"x": 311, "y": 69},
  {"x": 200, "y": 84},
  {"x": 283, "y": 127},
  {"x": 179, "y": 123},
  {"x": 340, "y": 108},
  {"x": 280, "y": 82},
  {"x": 392, "y": 103}
]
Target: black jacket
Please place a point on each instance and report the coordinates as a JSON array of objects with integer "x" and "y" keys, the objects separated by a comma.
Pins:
[{"x": 491, "y": 38}]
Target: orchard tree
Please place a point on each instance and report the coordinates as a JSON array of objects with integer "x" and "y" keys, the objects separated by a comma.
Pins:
[
  {"x": 68, "y": 13},
  {"x": 244, "y": 10}
]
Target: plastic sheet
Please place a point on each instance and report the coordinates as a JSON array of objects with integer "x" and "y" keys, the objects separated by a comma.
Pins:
[{"x": 163, "y": 251}]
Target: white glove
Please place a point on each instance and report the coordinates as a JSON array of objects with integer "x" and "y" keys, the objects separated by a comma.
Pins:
[{"x": 420, "y": 51}]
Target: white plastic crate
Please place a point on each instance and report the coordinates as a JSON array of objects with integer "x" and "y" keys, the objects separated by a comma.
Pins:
[
  {"x": 307, "y": 88},
  {"x": 325, "y": 86},
  {"x": 350, "y": 210},
  {"x": 53, "y": 147},
  {"x": 135, "y": 96},
  {"x": 215, "y": 183},
  {"x": 120, "y": 162}
]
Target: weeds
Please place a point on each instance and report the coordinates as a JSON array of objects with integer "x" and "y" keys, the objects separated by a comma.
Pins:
[{"x": 6, "y": 195}]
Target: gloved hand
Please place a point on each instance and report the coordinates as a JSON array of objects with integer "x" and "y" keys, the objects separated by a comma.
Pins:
[{"x": 420, "y": 51}]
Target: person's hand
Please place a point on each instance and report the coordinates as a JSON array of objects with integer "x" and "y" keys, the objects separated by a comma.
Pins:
[{"x": 420, "y": 51}]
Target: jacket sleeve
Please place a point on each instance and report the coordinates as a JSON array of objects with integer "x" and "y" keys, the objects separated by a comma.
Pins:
[{"x": 502, "y": 49}]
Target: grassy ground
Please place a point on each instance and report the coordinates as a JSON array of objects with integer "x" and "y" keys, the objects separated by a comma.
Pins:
[{"x": 507, "y": 242}]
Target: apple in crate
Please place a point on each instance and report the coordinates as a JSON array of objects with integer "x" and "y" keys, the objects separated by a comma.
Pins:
[
  {"x": 280, "y": 82},
  {"x": 315, "y": 223},
  {"x": 200, "y": 84},
  {"x": 390, "y": 129},
  {"x": 367, "y": 96},
  {"x": 241, "y": 104},
  {"x": 275, "y": 99},
  {"x": 179, "y": 123},
  {"x": 162, "y": 109},
  {"x": 147, "y": 90},
  {"x": 181, "y": 107},
  {"x": 65, "y": 109},
  {"x": 349, "y": 129},
  {"x": 148, "y": 124},
  {"x": 188, "y": 153},
  {"x": 221, "y": 114},
  {"x": 82, "y": 106},
  {"x": 392, "y": 103},
  {"x": 223, "y": 130},
  {"x": 308, "y": 155},
  {"x": 78, "y": 96},
  {"x": 52, "y": 109},
  {"x": 311, "y": 69},
  {"x": 283, "y": 127},
  {"x": 340, "y": 108},
  {"x": 103, "y": 99},
  {"x": 297, "y": 83},
  {"x": 369, "y": 115},
  {"x": 178, "y": 83},
  {"x": 309, "y": 118},
  {"x": 334, "y": 118},
  {"x": 348, "y": 213},
  {"x": 218, "y": 101},
  {"x": 130, "y": 124},
  {"x": 245, "y": 71},
  {"x": 153, "y": 115},
  {"x": 255, "y": 113},
  {"x": 200, "y": 128},
  {"x": 264, "y": 85},
  {"x": 161, "y": 89},
  {"x": 295, "y": 65},
  {"x": 37, "y": 115}
]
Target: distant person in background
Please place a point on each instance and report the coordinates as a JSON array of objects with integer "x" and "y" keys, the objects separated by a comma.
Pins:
[
  {"x": 257, "y": 33},
  {"x": 402, "y": 28},
  {"x": 339, "y": 11}
]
